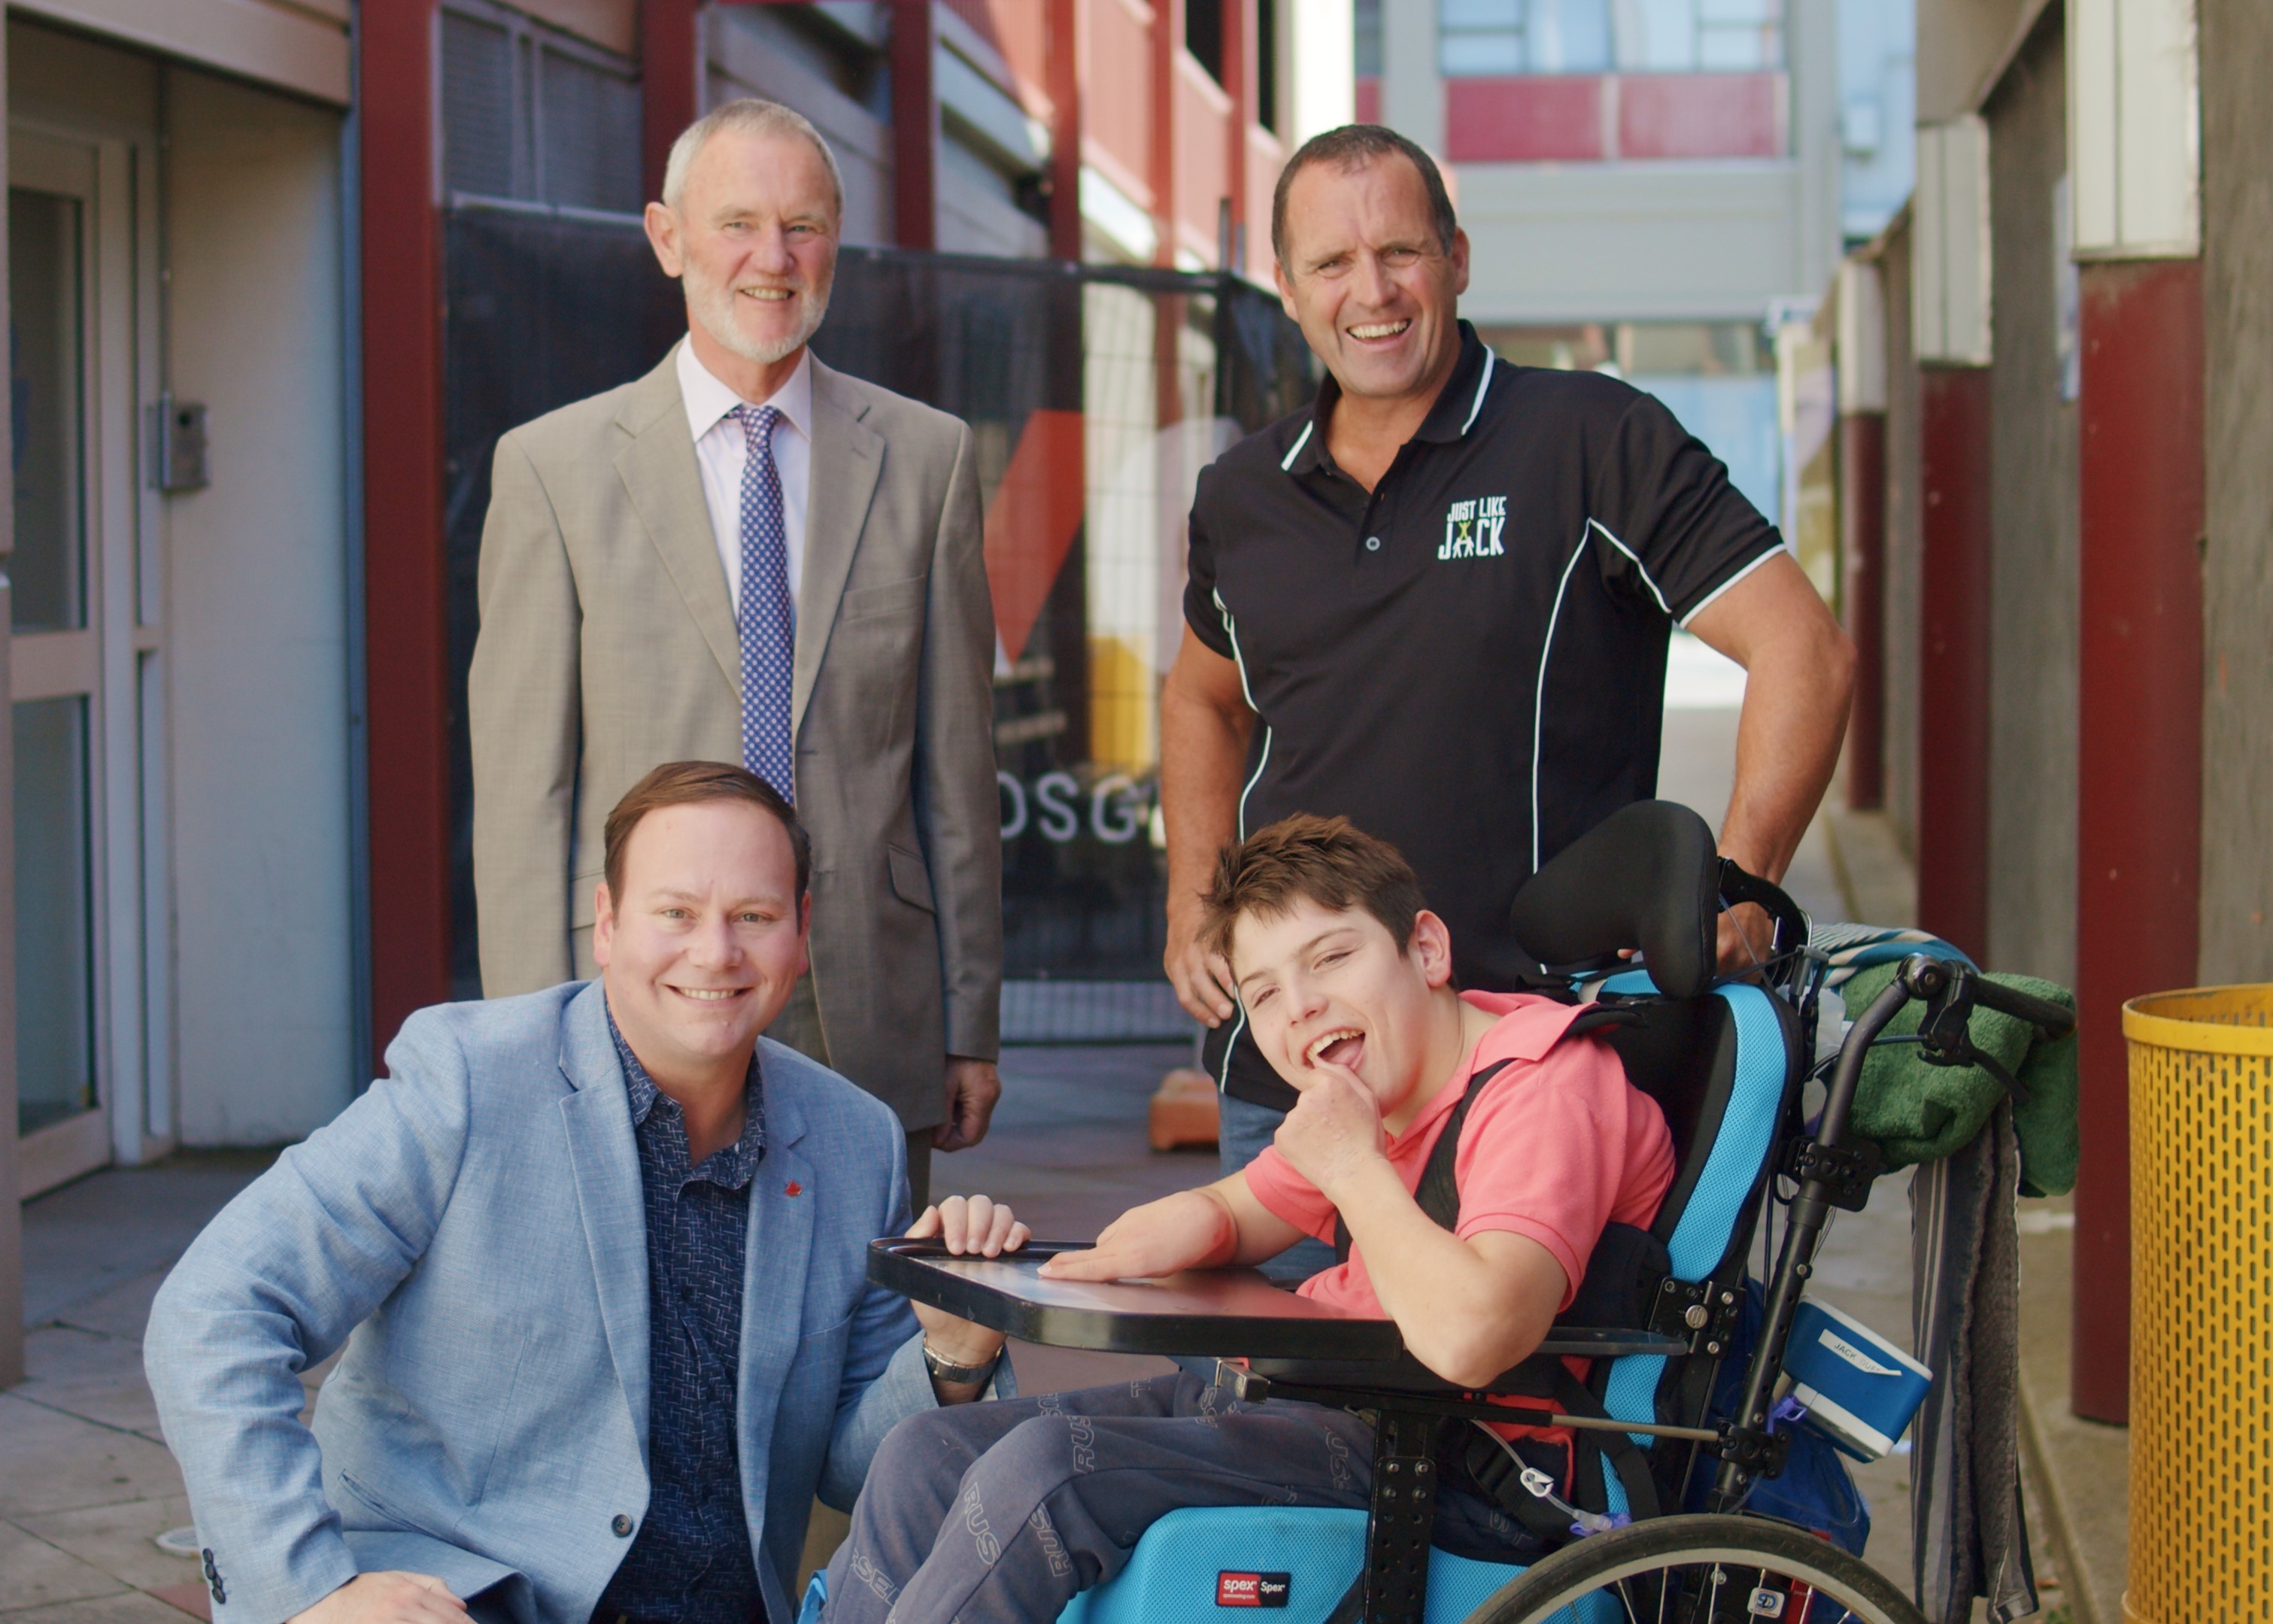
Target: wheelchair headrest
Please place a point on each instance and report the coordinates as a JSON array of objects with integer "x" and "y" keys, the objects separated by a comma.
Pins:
[{"x": 1647, "y": 876}]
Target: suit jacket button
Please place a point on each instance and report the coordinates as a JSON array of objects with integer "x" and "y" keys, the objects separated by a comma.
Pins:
[{"x": 622, "y": 1526}]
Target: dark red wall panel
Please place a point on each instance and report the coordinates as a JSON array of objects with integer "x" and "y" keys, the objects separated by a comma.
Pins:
[
  {"x": 2139, "y": 752},
  {"x": 915, "y": 127},
  {"x": 1953, "y": 744},
  {"x": 670, "y": 62},
  {"x": 406, "y": 685},
  {"x": 1529, "y": 120},
  {"x": 1862, "y": 544}
]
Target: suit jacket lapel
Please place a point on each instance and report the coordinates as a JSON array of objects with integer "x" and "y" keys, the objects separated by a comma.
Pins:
[
  {"x": 665, "y": 484},
  {"x": 780, "y": 1245},
  {"x": 606, "y": 1157},
  {"x": 847, "y": 457}
]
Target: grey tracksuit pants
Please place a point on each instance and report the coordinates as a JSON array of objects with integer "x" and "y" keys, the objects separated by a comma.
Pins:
[{"x": 999, "y": 1513}]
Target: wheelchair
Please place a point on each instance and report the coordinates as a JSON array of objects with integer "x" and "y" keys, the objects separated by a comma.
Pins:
[{"x": 1661, "y": 1473}]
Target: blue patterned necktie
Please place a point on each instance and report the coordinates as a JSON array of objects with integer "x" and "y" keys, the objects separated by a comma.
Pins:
[{"x": 766, "y": 622}]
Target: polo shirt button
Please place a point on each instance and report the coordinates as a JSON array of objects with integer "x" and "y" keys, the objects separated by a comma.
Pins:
[
  {"x": 622, "y": 1526},
  {"x": 1373, "y": 543}
]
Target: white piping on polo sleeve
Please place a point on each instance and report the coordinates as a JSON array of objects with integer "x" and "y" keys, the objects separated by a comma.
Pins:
[
  {"x": 1262, "y": 760},
  {"x": 1231, "y": 630},
  {"x": 1239, "y": 659},
  {"x": 1538, "y": 694},
  {"x": 1594, "y": 523},
  {"x": 1706, "y": 602}
]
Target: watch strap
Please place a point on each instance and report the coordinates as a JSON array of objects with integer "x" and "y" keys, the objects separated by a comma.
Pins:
[{"x": 958, "y": 1375}]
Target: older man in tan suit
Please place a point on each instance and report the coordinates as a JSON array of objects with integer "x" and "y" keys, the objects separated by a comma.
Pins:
[{"x": 744, "y": 556}]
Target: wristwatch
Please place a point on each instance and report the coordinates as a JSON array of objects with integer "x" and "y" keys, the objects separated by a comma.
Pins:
[{"x": 958, "y": 1375}]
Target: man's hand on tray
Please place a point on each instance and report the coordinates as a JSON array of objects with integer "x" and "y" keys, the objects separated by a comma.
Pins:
[{"x": 974, "y": 1226}]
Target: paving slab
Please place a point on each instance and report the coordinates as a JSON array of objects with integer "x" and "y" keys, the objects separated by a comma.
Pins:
[
  {"x": 125, "y": 1607},
  {"x": 1871, "y": 865},
  {"x": 120, "y": 1539},
  {"x": 1068, "y": 1148},
  {"x": 121, "y": 1310},
  {"x": 98, "y": 1233},
  {"x": 35, "y": 1573},
  {"x": 57, "y": 1461},
  {"x": 94, "y": 1376},
  {"x": 2084, "y": 1467}
]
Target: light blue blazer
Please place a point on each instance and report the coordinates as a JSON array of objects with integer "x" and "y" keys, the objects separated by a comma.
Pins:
[{"x": 472, "y": 1228}]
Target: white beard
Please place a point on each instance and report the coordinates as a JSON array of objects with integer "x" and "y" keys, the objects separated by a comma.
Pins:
[{"x": 712, "y": 304}]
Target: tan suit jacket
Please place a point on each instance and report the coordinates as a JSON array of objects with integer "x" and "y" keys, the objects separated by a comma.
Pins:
[{"x": 608, "y": 646}]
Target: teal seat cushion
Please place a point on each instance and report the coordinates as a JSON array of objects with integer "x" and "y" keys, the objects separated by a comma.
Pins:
[{"x": 1179, "y": 1570}]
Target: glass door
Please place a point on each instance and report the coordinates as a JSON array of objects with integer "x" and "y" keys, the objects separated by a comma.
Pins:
[{"x": 75, "y": 613}]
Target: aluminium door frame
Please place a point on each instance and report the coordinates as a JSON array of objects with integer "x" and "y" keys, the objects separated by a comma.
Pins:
[{"x": 128, "y": 795}]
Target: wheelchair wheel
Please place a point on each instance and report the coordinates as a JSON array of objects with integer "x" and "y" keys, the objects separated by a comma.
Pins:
[{"x": 1699, "y": 1569}]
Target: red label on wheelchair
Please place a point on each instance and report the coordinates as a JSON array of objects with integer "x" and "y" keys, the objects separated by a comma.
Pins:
[{"x": 1251, "y": 1590}]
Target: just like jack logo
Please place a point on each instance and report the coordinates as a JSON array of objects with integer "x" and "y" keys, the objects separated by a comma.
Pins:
[{"x": 1472, "y": 528}]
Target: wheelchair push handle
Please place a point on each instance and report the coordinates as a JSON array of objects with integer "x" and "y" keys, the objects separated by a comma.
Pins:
[{"x": 2052, "y": 1019}]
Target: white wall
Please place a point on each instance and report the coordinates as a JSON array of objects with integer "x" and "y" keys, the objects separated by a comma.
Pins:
[
  {"x": 257, "y": 618},
  {"x": 1628, "y": 241}
]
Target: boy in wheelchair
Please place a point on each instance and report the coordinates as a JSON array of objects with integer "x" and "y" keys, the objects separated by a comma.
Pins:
[{"x": 1006, "y": 1510}]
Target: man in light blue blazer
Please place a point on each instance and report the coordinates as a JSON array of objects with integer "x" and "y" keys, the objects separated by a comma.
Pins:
[{"x": 598, "y": 1258}]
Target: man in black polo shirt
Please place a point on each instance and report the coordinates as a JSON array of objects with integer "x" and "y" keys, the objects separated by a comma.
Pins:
[{"x": 1437, "y": 602}]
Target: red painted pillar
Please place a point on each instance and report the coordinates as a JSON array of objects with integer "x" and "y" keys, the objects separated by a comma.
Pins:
[
  {"x": 671, "y": 71},
  {"x": 1241, "y": 84},
  {"x": 2139, "y": 746},
  {"x": 1952, "y": 745},
  {"x": 1063, "y": 76},
  {"x": 1167, "y": 44},
  {"x": 915, "y": 127},
  {"x": 406, "y": 682},
  {"x": 1862, "y": 542}
]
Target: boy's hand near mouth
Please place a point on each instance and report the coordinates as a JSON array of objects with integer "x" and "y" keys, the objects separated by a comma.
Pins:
[{"x": 1333, "y": 1136}]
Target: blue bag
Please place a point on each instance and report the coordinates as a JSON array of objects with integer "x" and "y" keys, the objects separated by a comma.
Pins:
[{"x": 1814, "y": 1490}]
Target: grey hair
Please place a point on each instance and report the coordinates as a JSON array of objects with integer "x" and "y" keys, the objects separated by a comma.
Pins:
[{"x": 748, "y": 115}]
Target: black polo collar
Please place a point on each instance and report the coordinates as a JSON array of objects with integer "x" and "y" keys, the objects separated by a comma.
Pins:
[{"x": 1455, "y": 411}]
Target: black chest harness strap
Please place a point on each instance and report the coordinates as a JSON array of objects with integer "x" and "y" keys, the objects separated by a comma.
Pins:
[{"x": 1621, "y": 1275}]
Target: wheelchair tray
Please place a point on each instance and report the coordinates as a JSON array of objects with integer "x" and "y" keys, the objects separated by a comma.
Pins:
[{"x": 1233, "y": 1312}]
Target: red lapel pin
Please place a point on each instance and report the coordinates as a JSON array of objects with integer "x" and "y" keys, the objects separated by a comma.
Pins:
[{"x": 793, "y": 1188}]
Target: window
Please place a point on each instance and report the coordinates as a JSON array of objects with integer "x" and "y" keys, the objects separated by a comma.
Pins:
[
  {"x": 1204, "y": 34},
  {"x": 529, "y": 113},
  {"x": 1491, "y": 38},
  {"x": 1482, "y": 37},
  {"x": 1365, "y": 20}
]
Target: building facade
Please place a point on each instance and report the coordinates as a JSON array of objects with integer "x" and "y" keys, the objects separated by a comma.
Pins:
[
  {"x": 1655, "y": 185},
  {"x": 2054, "y": 501},
  {"x": 226, "y": 850},
  {"x": 183, "y": 536}
]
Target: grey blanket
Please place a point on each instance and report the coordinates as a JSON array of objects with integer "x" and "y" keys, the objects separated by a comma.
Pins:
[{"x": 1970, "y": 1534}]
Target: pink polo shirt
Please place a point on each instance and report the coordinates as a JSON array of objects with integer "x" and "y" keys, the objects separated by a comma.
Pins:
[{"x": 1558, "y": 1145}]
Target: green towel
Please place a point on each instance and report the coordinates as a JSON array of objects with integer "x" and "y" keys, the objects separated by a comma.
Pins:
[{"x": 1917, "y": 1112}]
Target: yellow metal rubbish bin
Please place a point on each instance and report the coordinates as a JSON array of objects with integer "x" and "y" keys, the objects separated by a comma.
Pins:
[{"x": 2201, "y": 1305}]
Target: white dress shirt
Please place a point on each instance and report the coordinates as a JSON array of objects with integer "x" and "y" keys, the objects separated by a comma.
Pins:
[{"x": 721, "y": 451}]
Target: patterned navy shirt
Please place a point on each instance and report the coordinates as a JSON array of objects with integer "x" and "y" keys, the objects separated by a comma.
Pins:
[{"x": 691, "y": 1563}]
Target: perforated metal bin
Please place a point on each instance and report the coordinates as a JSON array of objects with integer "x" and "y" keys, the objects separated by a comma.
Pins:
[{"x": 2201, "y": 1314}]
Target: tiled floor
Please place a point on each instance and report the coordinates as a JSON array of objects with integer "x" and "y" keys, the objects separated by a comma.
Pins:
[{"x": 86, "y": 1484}]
